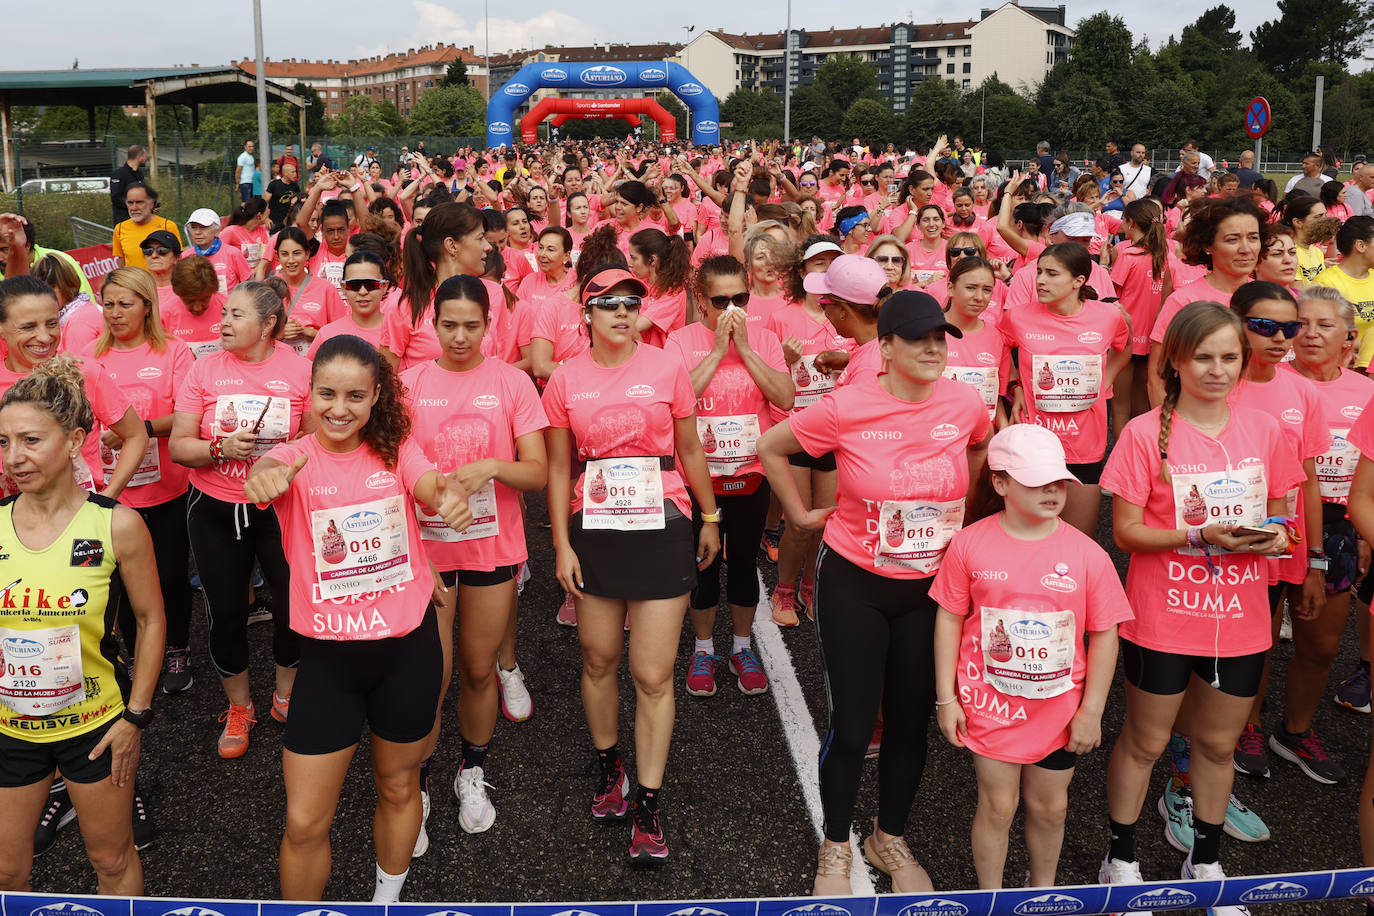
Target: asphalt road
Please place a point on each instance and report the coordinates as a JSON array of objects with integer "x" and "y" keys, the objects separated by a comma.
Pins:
[{"x": 735, "y": 813}]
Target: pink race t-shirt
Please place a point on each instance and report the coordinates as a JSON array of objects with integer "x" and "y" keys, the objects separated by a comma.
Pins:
[
  {"x": 1343, "y": 401},
  {"x": 461, "y": 417},
  {"x": 897, "y": 462},
  {"x": 1026, "y": 606},
  {"x": 151, "y": 381},
  {"x": 417, "y": 342},
  {"x": 1062, "y": 361},
  {"x": 228, "y": 393},
  {"x": 625, "y": 411},
  {"x": 561, "y": 322},
  {"x": 325, "y": 265},
  {"x": 1141, "y": 293},
  {"x": 252, "y": 245},
  {"x": 316, "y": 302},
  {"x": 667, "y": 311},
  {"x": 350, "y": 536},
  {"x": 81, "y": 328},
  {"x": 345, "y": 325},
  {"x": 1180, "y": 606},
  {"x": 199, "y": 332},
  {"x": 982, "y": 359},
  {"x": 1197, "y": 291},
  {"x": 865, "y": 364},
  {"x": 230, "y": 265},
  {"x": 816, "y": 335},
  {"x": 1021, "y": 289}
]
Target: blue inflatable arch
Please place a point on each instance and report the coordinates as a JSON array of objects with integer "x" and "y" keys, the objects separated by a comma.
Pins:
[{"x": 501, "y": 127}]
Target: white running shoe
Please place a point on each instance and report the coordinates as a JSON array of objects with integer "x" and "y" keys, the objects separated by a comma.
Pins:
[
  {"x": 422, "y": 841},
  {"x": 1211, "y": 871},
  {"x": 522, "y": 578},
  {"x": 475, "y": 813},
  {"x": 516, "y": 703},
  {"x": 1115, "y": 871}
]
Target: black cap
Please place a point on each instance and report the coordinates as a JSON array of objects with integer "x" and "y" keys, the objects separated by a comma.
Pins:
[
  {"x": 911, "y": 314},
  {"x": 164, "y": 238}
]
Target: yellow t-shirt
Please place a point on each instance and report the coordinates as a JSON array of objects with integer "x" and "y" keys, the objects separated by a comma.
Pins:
[
  {"x": 56, "y": 628},
  {"x": 129, "y": 235},
  {"x": 1311, "y": 261},
  {"x": 1360, "y": 292}
]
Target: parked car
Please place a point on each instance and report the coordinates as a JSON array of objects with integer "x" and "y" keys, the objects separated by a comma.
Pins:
[{"x": 66, "y": 186}]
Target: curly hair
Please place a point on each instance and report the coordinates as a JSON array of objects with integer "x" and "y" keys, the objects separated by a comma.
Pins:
[
  {"x": 57, "y": 387},
  {"x": 1205, "y": 221},
  {"x": 389, "y": 423}
]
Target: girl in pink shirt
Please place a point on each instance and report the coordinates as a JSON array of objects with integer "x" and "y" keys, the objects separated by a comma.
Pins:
[
  {"x": 149, "y": 368},
  {"x": 479, "y": 419},
  {"x": 366, "y": 283},
  {"x": 1186, "y": 476},
  {"x": 902, "y": 443},
  {"x": 313, "y": 302},
  {"x": 1018, "y": 592},
  {"x": 741, "y": 384},
  {"x": 622, "y": 532},
  {"x": 928, "y": 249},
  {"x": 247, "y": 231},
  {"x": 766, "y": 255},
  {"x": 519, "y": 248},
  {"x": 1142, "y": 278},
  {"x": 981, "y": 357},
  {"x": 192, "y": 307},
  {"x": 360, "y": 602},
  {"x": 579, "y": 213},
  {"x": 664, "y": 264},
  {"x": 1071, "y": 348},
  {"x": 559, "y": 329}
]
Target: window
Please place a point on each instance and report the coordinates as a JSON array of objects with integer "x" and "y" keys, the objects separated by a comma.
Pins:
[
  {"x": 968, "y": 68},
  {"x": 949, "y": 52},
  {"x": 968, "y": 50},
  {"x": 968, "y": 84},
  {"x": 949, "y": 68}
]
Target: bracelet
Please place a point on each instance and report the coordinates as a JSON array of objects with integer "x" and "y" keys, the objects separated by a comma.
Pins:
[
  {"x": 148, "y": 425},
  {"x": 217, "y": 451},
  {"x": 713, "y": 517},
  {"x": 939, "y": 703},
  {"x": 1193, "y": 538},
  {"x": 1013, "y": 385}
]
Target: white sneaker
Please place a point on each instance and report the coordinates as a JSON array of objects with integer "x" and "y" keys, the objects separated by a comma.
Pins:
[
  {"x": 1115, "y": 871},
  {"x": 522, "y": 578},
  {"x": 422, "y": 841},
  {"x": 1211, "y": 871},
  {"x": 475, "y": 813},
  {"x": 516, "y": 703}
]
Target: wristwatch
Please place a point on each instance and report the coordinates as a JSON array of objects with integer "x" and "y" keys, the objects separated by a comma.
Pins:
[
  {"x": 1316, "y": 559},
  {"x": 141, "y": 719}
]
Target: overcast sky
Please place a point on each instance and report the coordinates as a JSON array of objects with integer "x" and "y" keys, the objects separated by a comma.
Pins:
[{"x": 208, "y": 33}]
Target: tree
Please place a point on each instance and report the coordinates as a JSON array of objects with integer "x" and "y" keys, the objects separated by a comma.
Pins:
[
  {"x": 362, "y": 117},
  {"x": 1084, "y": 113},
  {"x": 456, "y": 74},
  {"x": 72, "y": 121},
  {"x": 1102, "y": 46},
  {"x": 444, "y": 109},
  {"x": 748, "y": 109},
  {"x": 869, "y": 120},
  {"x": 1312, "y": 30},
  {"x": 935, "y": 108},
  {"x": 814, "y": 113},
  {"x": 314, "y": 112},
  {"x": 846, "y": 77},
  {"x": 1010, "y": 123},
  {"x": 1161, "y": 115}
]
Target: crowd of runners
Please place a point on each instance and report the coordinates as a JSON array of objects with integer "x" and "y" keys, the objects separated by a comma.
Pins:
[{"x": 906, "y": 378}]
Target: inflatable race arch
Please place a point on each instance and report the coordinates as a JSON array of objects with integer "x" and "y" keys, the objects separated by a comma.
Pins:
[
  {"x": 566, "y": 109},
  {"x": 589, "y": 75}
]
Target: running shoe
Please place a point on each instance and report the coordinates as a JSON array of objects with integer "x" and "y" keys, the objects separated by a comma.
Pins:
[
  {"x": 281, "y": 706},
  {"x": 1286, "y": 626},
  {"x": 770, "y": 543},
  {"x": 646, "y": 837},
  {"x": 238, "y": 722},
  {"x": 701, "y": 674},
  {"x": 1250, "y": 756},
  {"x": 1115, "y": 871},
  {"x": 475, "y": 813},
  {"x": 260, "y": 611},
  {"x": 1211, "y": 871},
  {"x": 1176, "y": 807},
  {"x": 609, "y": 800},
  {"x": 744, "y": 665},
  {"x": 422, "y": 841},
  {"x": 1309, "y": 753},
  {"x": 1353, "y": 691},
  {"x": 894, "y": 859},
  {"x": 176, "y": 671},
  {"x": 1244, "y": 824},
  {"x": 875, "y": 743},
  {"x": 522, "y": 578},
  {"x": 258, "y": 580},
  {"x": 806, "y": 595},
  {"x": 832, "y": 871},
  {"x": 143, "y": 824},
  {"x": 58, "y": 814},
  {"x": 567, "y": 612},
  {"x": 516, "y": 703},
  {"x": 783, "y": 603}
]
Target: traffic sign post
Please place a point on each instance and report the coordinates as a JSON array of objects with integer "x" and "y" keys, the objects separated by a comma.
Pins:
[{"x": 1258, "y": 120}]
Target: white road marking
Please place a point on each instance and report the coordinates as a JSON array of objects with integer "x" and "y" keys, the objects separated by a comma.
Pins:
[{"x": 800, "y": 730}]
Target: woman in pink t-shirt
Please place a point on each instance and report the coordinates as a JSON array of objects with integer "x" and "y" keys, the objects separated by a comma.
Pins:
[
  {"x": 230, "y": 264},
  {"x": 903, "y": 442},
  {"x": 313, "y": 302},
  {"x": 149, "y": 368},
  {"x": 768, "y": 251},
  {"x": 480, "y": 419},
  {"x": 741, "y": 384},
  {"x": 622, "y": 533},
  {"x": 247, "y": 231},
  {"x": 1278, "y": 260},
  {"x": 665, "y": 266},
  {"x": 1186, "y": 477},
  {"x": 192, "y": 307},
  {"x": 546, "y": 288},
  {"x": 366, "y": 283},
  {"x": 1018, "y": 592},
  {"x": 234, "y": 406},
  {"x": 519, "y": 249},
  {"x": 928, "y": 249},
  {"x": 361, "y": 606},
  {"x": 981, "y": 357},
  {"x": 579, "y": 213},
  {"x": 1071, "y": 347}
]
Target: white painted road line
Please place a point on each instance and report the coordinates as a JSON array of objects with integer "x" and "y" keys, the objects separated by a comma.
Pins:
[{"x": 800, "y": 730}]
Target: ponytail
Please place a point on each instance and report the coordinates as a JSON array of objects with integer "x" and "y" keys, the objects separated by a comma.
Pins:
[
  {"x": 674, "y": 266},
  {"x": 58, "y": 388},
  {"x": 425, "y": 245},
  {"x": 1142, "y": 214}
]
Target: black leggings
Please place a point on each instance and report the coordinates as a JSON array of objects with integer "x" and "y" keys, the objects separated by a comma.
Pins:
[
  {"x": 876, "y": 636},
  {"x": 225, "y": 538},
  {"x": 167, "y": 524},
  {"x": 742, "y": 518}
]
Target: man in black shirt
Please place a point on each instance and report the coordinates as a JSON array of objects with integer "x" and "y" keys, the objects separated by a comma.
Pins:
[
  {"x": 1115, "y": 159},
  {"x": 130, "y": 173},
  {"x": 282, "y": 195}
]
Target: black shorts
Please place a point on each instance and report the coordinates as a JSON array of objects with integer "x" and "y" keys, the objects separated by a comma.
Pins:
[
  {"x": 391, "y": 685},
  {"x": 803, "y": 459},
  {"x": 477, "y": 578},
  {"x": 1062, "y": 759},
  {"x": 1089, "y": 473},
  {"x": 637, "y": 565},
  {"x": 1167, "y": 674},
  {"x": 23, "y": 763}
]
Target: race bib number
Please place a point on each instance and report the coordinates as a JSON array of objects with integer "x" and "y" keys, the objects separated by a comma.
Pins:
[
  {"x": 252, "y": 253},
  {"x": 1065, "y": 384},
  {"x": 243, "y": 411},
  {"x": 360, "y": 549},
  {"x": 623, "y": 494},
  {"x": 1029, "y": 653},
  {"x": 812, "y": 384},
  {"x": 40, "y": 670},
  {"x": 200, "y": 348},
  {"x": 730, "y": 443},
  {"x": 913, "y": 534},
  {"x": 333, "y": 272},
  {"x": 923, "y": 277},
  {"x": 149, "y": 467},
  {"x": 983, "y": 379},
  {"x": 1336, "y": 467},
  {"x": 1227, "y": 498},
  {"x": 482, "y": 504}
]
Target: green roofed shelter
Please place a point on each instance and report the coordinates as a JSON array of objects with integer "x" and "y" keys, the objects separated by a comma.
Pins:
[{"x": 90, "y": 89}]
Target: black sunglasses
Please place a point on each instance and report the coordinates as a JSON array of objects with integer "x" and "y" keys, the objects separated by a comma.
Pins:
[
  {"x": 360, "y": 283},
  {"x": 738, "y": 300},
  {"x": 961, "y": 252},
  {"x": 1268, "y": 327},
  {"x": 157, "y": 250},
  {"x": 614, "y": 303}
]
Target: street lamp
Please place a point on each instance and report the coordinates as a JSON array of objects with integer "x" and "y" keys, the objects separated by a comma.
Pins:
[{"x": 787, "y": 80}]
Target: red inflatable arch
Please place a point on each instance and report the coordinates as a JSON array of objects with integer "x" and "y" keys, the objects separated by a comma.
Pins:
[{"x": 597, "y": 108}]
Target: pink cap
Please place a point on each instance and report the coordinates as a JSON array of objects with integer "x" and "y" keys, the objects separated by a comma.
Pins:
[
  {"x": 1032, "y": 455},
  {"x": 851, "y": 277}
]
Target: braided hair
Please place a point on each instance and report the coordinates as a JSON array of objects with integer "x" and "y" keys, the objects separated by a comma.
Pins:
[{"x": 1193, "y": 324}]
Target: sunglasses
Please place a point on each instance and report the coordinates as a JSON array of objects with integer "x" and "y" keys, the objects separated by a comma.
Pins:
[
  {"x": 868, "y": 184},
  {"x": 158, "y": 250},
  {"x": 827, "y": 301},
  {"x": 1118, "y": 181},
  {"x": 963, "y": 252},
  {"x": 889, "y": 259},
  {"x": 1268, "y": 327},
  {"x": 738, "y": 300},
  {"x": 357, "y": 284},
  {"x": 614, "y": 303}
]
